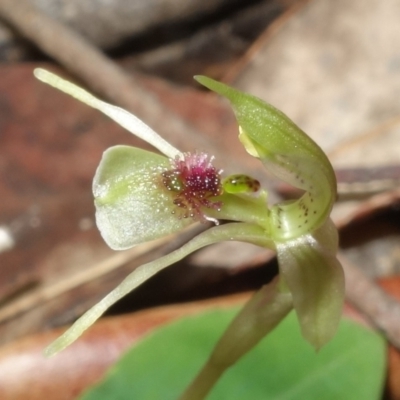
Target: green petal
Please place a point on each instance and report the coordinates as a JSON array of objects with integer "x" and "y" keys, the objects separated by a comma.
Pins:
[
  {"x": 132, "y": 206},
  {"x": 288, "y": 153},
  {"x": 316, "y": 280}
]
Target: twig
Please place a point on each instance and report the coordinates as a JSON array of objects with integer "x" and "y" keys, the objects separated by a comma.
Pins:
[
  {"x": 97, "y": 72},
  {"x": 380, "y": 308},
  {"x": 370, "y": 206},
  {"x": 235, "y": 70},
  {"x": 362, "y": 139},
  {"x": 48, "y": 292},
  {"x": 34, "y": 298}
]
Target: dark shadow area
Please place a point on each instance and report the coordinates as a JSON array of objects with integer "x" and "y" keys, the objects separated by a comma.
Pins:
[{"x": 182, "y": 283}]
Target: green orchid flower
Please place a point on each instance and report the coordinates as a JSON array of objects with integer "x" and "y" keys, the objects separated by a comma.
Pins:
[{"x": 141, "y": 196}]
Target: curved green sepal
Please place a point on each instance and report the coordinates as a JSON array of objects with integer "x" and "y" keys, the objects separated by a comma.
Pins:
[
  {"x": 288, "y": 153},
  {"x": 316, "y": 280},
  {"x": 132, "y": 206}
]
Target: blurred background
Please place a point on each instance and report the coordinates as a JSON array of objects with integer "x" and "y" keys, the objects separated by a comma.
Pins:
[{"x": 331, "y": 66}]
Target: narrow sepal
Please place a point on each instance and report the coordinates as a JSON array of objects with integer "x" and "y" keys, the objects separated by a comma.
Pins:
[
  {"x": 234, "y": 231},
  {"x": 122, "y": 117}
]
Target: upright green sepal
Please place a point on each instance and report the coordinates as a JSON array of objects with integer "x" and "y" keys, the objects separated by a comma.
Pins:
[{"x": 289, "y": 154}]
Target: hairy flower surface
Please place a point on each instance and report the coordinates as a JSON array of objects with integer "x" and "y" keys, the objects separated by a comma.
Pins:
[{"x": 194, "y": 182}]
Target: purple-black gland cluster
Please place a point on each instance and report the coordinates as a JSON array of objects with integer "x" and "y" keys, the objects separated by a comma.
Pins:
[{"x": 193, "y": 181}]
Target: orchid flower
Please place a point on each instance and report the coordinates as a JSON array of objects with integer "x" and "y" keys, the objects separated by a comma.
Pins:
[{"x": 141, "y": 196}]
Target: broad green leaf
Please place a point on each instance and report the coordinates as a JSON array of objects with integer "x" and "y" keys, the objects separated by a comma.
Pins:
[
  {"x": 132, "y": 205},
  {"x": 282, "y": 366}
]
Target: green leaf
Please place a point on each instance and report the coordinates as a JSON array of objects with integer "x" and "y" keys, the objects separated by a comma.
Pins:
[
  {"x": 132, "y": 206},
  {"x": 283, "y": 366}
]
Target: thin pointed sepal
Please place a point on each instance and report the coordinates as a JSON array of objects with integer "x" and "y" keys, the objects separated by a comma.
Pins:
[{"x": 234, "y": 231}]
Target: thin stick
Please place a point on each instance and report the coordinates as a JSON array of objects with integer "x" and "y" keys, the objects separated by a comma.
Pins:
[
  {"x": 34, "y": 298},
  {"x": 97, "y": 72},
  {"x": 379, "y": 307},
  {"x": 48, "y": 292}
]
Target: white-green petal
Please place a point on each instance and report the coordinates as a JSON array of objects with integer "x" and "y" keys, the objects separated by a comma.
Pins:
[
  {"x": 132, "y": 205},
  {"x": 316, "y": 280}
]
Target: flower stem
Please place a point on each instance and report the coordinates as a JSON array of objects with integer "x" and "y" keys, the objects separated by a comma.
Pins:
[
  {"x": 203, "y": 383},
  {"x": 258, "y": 317}
]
